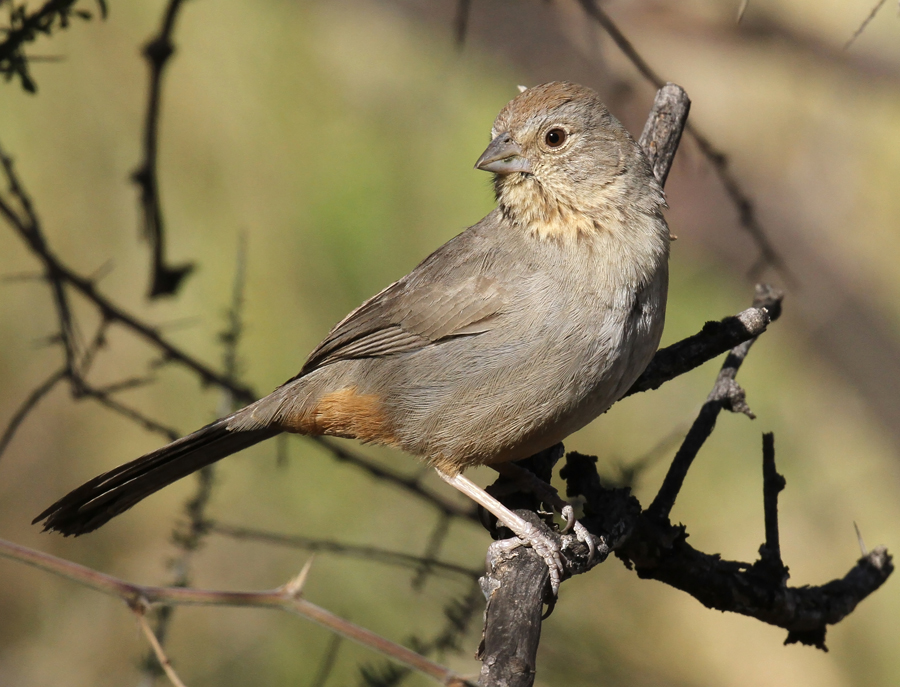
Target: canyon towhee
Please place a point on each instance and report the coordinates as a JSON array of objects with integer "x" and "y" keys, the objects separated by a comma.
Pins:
[{"x": 502, "y": 342}]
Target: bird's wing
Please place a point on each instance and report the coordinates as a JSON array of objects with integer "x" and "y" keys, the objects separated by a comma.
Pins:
[{"x": 450, "y": 294}]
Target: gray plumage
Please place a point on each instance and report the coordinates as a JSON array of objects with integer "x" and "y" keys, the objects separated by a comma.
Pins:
[{"x": 511, "y": 336}]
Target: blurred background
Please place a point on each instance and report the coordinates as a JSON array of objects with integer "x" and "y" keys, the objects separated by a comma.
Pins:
[{"x": 338, "y": 138}]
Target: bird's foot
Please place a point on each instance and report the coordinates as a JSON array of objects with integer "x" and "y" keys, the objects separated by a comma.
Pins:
[
  {"x": 544, "y": 544},
  {"x": 548, "y": 545},
  {"x": 528, "y": 481}
]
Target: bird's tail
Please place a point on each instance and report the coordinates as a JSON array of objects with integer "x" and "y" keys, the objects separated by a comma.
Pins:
[{"x": 96, "y": 502}]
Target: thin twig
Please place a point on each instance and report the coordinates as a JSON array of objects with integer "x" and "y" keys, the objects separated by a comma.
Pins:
[
  {"x": 432, "y": 550},
  {"x": 329, "y": 659},
  {"x": 280, "y": 598},
  {"x": 158, "y": 650},
  {"x": 25, "y": 28},
  {"x": 865, "y": 23},
  {"x": 165, "y": 279},
  {"x": 773, "y": 483},
  {"x": 136, "y": 416},
  {"x": 369, "y": 553},
  {"x": 412, "y": 485},
  {"x": 28, "y": 405}
]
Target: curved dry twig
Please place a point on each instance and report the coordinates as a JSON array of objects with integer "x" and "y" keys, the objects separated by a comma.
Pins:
[{"x": 287, "y": 598}]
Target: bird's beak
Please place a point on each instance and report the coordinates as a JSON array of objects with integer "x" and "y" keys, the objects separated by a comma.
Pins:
[{"x": 503, "y": 156}]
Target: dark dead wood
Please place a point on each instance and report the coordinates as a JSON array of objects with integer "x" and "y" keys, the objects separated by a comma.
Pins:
[{"x": 726, "y": 394}]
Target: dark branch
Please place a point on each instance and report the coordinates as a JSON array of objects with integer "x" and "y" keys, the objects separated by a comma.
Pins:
[
  {"x": 710, "y": 342},
  {"x": 165, "y": 279},
  {"x": 28, "y": 405},
  {"x": 647, "y": 542},
  {"x": 773, "y": 484},
  {"x": 25, "y": 28},
  {"x": 657, "y": 550},
  {"x": 725, "y": 394},
  {"x": 461, "y": 21},
  {"x": 862, "y": 27}
]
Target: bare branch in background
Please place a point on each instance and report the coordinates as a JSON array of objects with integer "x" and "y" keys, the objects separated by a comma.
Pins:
[
  {"x": 461, "y": 21},
  {"x": 25, "y": 27},
  {"x": 329, "y": 660},
  {"x": 157, "y": 649},
  {"x": 165, "y": 278},
  {"x": 865, "y": 23},
  {"x": 314, "y": 545},
  {"x": 458, "y": 616},
  {"x": 188, "y": 536},
  {"x": 28, "y": 405},
  {"x": 768, "y": 256},
  {"x": 286, "y": 598}
]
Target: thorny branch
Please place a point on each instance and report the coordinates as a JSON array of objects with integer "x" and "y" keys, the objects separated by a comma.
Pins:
[
  {"x": 165, "y": 279},
  {"x": 288, "y": 597},
  {"x": 188, "y": 535}
]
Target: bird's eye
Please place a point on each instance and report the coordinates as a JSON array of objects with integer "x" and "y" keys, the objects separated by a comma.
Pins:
[{"x": 555, "y": 138}]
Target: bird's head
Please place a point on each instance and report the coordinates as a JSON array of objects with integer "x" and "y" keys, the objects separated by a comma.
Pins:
[{"x": 561, "y": 161}]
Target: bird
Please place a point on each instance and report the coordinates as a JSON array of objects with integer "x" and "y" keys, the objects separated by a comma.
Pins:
[{"x": 511, "y": 336}]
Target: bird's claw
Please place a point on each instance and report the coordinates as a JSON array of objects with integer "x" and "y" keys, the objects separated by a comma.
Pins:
[
  {"x": 544, "y": 545},
  {"x": 568, "y": 513},
  {"x": 581, "y": 532}
]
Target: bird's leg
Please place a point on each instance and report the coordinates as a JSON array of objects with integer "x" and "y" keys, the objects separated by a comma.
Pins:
[
  {"x": 530, "y": 482},
  {"x": 543, "y": 545}
]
